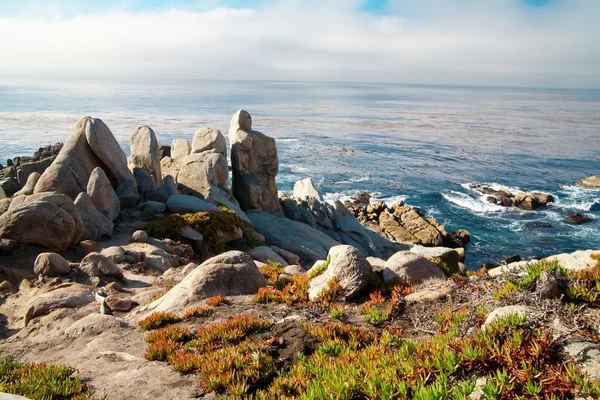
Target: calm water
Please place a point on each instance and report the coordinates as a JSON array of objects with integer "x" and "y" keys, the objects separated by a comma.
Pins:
[{"x": 423, "y": 144}]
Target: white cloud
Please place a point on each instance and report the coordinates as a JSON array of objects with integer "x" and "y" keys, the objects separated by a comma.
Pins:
[{"x": 496, "y": 42}]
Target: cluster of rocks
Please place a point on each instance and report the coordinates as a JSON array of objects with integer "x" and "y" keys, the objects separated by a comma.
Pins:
[
  {"x": 522, "y": 200},
  {"x": 15, "y": 177},
  {"x": 404, "y": 224}
]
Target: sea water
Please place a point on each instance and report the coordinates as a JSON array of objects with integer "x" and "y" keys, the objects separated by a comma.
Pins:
[{"x": 422, "y": 144}]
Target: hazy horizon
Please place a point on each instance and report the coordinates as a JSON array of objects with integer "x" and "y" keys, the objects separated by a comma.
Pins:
[{"x": 496, "y": 43}]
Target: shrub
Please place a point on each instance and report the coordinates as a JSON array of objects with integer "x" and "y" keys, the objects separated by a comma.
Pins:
[{"x": 158, "y": 319}]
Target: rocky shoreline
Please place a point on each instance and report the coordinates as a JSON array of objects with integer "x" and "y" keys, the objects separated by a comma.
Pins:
[{"x": 94, "y": 244}]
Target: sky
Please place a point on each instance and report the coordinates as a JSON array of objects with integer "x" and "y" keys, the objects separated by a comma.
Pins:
[{"x": 538, "y": 43}]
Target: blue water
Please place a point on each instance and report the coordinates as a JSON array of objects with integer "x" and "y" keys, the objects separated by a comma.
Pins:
[{"x": 423, "y": 144}]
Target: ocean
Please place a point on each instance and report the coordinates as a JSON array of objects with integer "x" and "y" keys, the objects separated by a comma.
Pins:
[{"x": 422, "y": 144}]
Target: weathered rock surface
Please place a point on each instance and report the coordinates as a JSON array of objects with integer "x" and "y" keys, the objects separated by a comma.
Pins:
[
  {"x": 115, "y": 253},
  {"x": 587, "y": 354},
  {"x": 228, "y": 274},
  {"x": 266, "y": 254},
  {"x": 127, "y": 193},
  {"x": 51, "y": 264},
  {"x": 32, "y": 180},
  {"x": 103, "y": 195},
  {"x": 591, "y": 182},
  {"x": 578, "y": 260},
  {"x": 95, "y": 324},
  {"x": 183, "y": 203},
  {"x": 547, "y": 286},
  {"x": 351, "y": 270},
  {"x": 65, "y": 296},
  {"x": 96, "y": 264},
  {"x": 46, "y": 219},
  {"x": 208, "y": 139},
  {"x": 96, "y": 225},
  {"x": 291, "y": 258},
  {"x": 446, "y": 256},
  {"x": 91, "y": 145},
  {"x": 305, "y": 188},
  {"x": 139, "y": 237},
  {"x": 200, "y": 172},
  {"x": 180, "y": 148},
  {"x": 522, "y": 200},
  {"x": 308, "y": 243},
  {"x": 145, "y": 153},
  {"x": 254, "y": 166},
  {"x": 408, "y": 266},
  {"x": 429, "y": 294}
]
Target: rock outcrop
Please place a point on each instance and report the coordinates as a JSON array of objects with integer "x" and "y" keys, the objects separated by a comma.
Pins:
[
  {"x": 145, "y": 153},
  {"x": 408, "y": 266},
  {"x": 228, "y": 274},
  {"x": 51, "y": 264},
  {"x": 305, "y": 188},
  {"x": 96, "y": 225},
  {"x": 522, "y": 200},
  {"x": 91, "y": 145},
  {"x": 591, "y": 182},
  {"x": 254, "y": 166},
  {"x": 103, "y": 195}
]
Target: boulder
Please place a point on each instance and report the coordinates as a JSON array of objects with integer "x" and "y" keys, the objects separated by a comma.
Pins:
[
  {"x": 591, "y": 182},
  {"x": 377, "y": 264},
  {"x": 2, "y": 194},
  {"x": 209, "y": 139},
  {"x": 145, "y": 153},
  {"x": 547, "y": 286},
  {"x": 96, "y": 224},
  {"x": 440, "y": 255},
  {"x": 189, "y": 233},
  {"x": 291, "y": 258},
  {"x": 408, "y": 266},
  {"x": 127, "y": 193},
  {"x": 395, "y": 230},
  {"x": 182, "y": 203},
  {"x": 96, "y": 264},
  {"x": 5, "y": 286},
  {"x": 298, "y": 238},
  {"x": 91, "y": 145},
  {"x": 151, "y": 208},
  {"x": 429, "y": 294},
  {"x": 420, "y": 228},
  {"x": 114, "y": 253},
  {"x": 180, "y": 148},
  {"x": 292, "y": 270},
  {"x": 255, "y": 165},
  {"x": 29, "y": 187},
  {"x": 117, "y": 302},
  {"x": 505, "y": 311},
  {"x": 50, "y": 221},
  {"x": 139, "y": 237},
  {"x": 200, "y": 172},
  {"x": 51, "y": 264},
  {"x": 65, "y": 296},
  {"x": 350, "y": 269},
  {"x": 266, "y": 254},
  {"x": 305, "y": 188},
  {"x": 170, "y": 167},
  {"x": 228, "y": 274},
  {"x": 157, "y": 258},
  {"x": 4, "y": 205},
  {"x": 103, "y": 195}
]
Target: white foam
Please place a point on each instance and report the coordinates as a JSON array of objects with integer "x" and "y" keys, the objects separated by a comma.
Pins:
[{"x": 478, "y": 205}]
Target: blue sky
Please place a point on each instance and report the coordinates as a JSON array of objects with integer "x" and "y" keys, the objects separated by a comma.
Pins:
[{"x": 484, "y": 42}]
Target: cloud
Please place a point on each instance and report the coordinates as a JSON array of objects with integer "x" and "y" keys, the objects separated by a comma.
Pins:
[{"x": 496, "y": 42}]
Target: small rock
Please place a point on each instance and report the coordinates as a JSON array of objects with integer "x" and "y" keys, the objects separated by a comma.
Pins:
[
  {"x": 189, "y": 233},
  {"x": 511, "y": 259},
  {"x": 5, "y": 286},
  {"x": 51, "y": 264},
  {"x": 139, "y": 237},
  {"x": 291, "y": 258},
  {"x": 151, "y": 208},
  {"x": 113, "y": 287},
  {"x": 577, "y": 219},
  {"x": 294, "y": 270},
  {"x": 504, "y": 311},
  {"x": 115, "y": 253},
  {"x": 434, "y": 293},
  {"x": 266, "y": 254},
  {"x": 377, "y": 264},
  {"x": 547, "y": 286},
  {"x": 488, "y": 266},
  {"x": 118, "y": 303},
  {"x": 97, "y": 265}
]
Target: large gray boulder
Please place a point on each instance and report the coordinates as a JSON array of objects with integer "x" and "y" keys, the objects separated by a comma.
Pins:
[
  {"x": 266, "y": 254},
  {"x": 350, "y": 269},
  {"x": 51, "y": 264},
  {"x": 298, "y": 238},
  {"x": 96, "y": 264},
  {"x": 183, "y": 203},
  {"x": 103, "y": 195},
  {"x": 29, "y": 187},
  {"x": 91, "y": 145},
  {"x": 254, "y": 165},
  {"x": 305, "y": 188},
  {"x": 96, "y": 225},
  {"x": 145, "y": 153},
  {"x": 180, "y": 148},
  {"x": 209, "y": 139},
  {"x": 228, "y": 274},
  {"x": 46, "y": 219},
  {"x": 200, "y": 172},
  {"x": 408, "y": 266}
]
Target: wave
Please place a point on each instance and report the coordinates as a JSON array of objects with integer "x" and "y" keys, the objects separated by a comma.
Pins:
[
  {"x": 478, "y": 205},
  {"x": 578, "y": 198}
]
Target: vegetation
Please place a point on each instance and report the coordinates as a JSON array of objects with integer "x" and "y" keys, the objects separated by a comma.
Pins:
[
  {"x": 271, "y": 271},
  {"x": 207, "y": 223},
  {"x": 217, "y": 300},
  {"x": 158, "y": 319},
  {"x": 581, "y": 287},
  {"x": 197, "y": 312},
  {"x": 336, "y": 311},
  {"x": 316, "y": 270},
  {"x": 41, "y": 381}
]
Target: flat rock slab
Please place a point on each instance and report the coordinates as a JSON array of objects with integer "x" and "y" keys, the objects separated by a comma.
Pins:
[{"x": 183, "y": 203}]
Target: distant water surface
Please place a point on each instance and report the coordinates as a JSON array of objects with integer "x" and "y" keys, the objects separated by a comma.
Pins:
[{"x": 423, "y": 144}]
